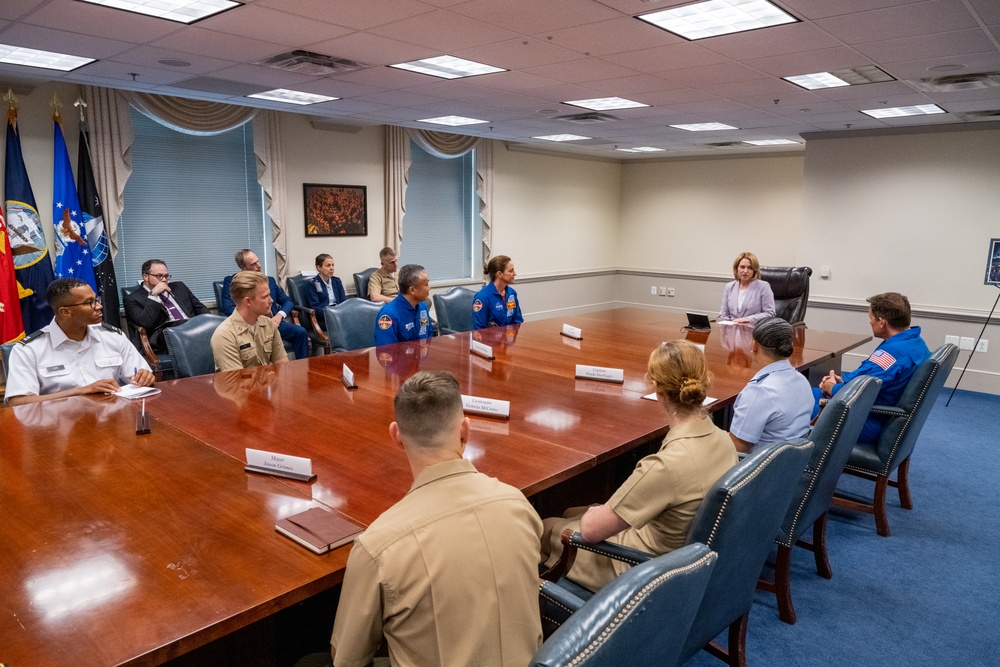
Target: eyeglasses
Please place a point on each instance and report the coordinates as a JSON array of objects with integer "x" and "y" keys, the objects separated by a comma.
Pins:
[
  {"x": 159, "y": 276},
  {"x": 92, "y": 302}
]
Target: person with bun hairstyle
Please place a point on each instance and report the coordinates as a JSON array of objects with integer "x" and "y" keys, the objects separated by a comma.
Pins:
[
  {"x": 653, "y": 510},
  {"x": 496, "y": 304},
  {"x": 748, "y": 299},
  {"x": 777, "y": 403}
]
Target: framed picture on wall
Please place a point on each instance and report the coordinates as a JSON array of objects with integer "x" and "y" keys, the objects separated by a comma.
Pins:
[
  {"x": 336, "y": 210},
  {"x": 993, "y": 263}
]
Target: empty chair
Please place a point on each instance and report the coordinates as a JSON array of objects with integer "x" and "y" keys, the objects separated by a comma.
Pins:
[
  {"x": 454, "y": 310},
  {"x": 190, "y": 345},
  {"x": 903, "y": 421},
  {"x": 161, "y": 364},
  {"x": 790, "y": 285},
  {"x": 834, "y": 435},
  {"x": 351, "y": 325},
  {"x": 308, "y": 317},
  {"x": 640, "y": 618},
  {"x": 361, "y": 279}
]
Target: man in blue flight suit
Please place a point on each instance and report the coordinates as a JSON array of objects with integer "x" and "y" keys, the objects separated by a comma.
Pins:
[
  {"x": 407, "y": 317},
  {"x": 281, "y": 308},
  {"x": 893, "y": 362}
]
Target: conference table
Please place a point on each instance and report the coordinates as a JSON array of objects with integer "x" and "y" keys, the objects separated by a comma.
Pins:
[{"x": 135, "y": 549}]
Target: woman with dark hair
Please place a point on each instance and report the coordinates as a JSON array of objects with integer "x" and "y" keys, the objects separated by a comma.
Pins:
[
  {"x": 496, "y": 304},
  {"x": 748, "y": 299},
  {"x": 777, "y": 403}
]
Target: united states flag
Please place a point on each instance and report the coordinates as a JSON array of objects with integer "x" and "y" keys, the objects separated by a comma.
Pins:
[{"x": 883, "y": 359}]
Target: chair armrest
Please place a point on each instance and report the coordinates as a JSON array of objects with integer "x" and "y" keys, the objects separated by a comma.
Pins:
[
  {"x": 147, "y": 350},
  {"x": 573, "y": 541},
  {"x": 295, "y": 315},
  {"x": 550, "y": 593},
  {"x": 308, "y": 315},
  {"x": 888, "y": 410}
]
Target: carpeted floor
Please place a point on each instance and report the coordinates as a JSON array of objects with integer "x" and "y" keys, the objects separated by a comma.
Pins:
[{"x": 927, "y": 595}]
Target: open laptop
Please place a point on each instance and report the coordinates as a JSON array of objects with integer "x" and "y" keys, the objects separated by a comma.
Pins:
[{"x": 698, "y": 322}]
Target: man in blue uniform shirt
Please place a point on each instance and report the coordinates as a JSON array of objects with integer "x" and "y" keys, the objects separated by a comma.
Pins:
[
  {"x": 407, "y": 317},
  {"x": 281, "y": 307},
  {"x": 893, "y": 362}
]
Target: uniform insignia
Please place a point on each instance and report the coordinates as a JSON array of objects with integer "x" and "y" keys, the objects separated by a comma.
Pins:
[
  {"x": 477, "y": 305},
  {"x": 28, "y": 339},
  {"x": 111, "y": 327},
  {"x": 511, "y": 303},
  {"x": 384, "y": 322},
  {"x": 882, "y": 359}
]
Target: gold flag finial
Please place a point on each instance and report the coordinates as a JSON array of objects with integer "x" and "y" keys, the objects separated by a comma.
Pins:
[
  {"x": 10, "y": 98},
  {"x": 81, "y": 105},
  {"x": 56, "y": 106}
]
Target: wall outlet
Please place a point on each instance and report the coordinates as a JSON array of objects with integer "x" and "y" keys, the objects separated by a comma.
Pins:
[
  {"x": 652, "y": 290},
  {"x": 983, "y": 346},
  {"x": 671, "y": 292},
  {"x": 663, "y": 291},
  {"x": 967, "y": 343},
  {"x": 952, "y": 339}
]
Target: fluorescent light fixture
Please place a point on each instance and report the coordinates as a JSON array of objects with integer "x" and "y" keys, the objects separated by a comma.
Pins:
[
  {"x": 19, "y": 55},
  {"x": 815, "y": 81},
  {"x": 772, "y": 142},
  {"x": 562, "y": 137},
  {"x": 291, "y": 96},
  {"x": 182, "y": 11},
  {"x": 854, "y": 76},
  {"x": 704, "y": 127},
  {"x": 453, "y": 121},
  {"x": 607, "y": 103},
  {"x": 448, "y": 67},
  {"x": 718, "y": 17},
  {"x": 641, "y": 149},
  {"x": 898, "y": 112}
]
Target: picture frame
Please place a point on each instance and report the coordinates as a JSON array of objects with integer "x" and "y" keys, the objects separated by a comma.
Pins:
[
  {"x": 993, "y": 263},
  {"x": 335, "y": 210}
]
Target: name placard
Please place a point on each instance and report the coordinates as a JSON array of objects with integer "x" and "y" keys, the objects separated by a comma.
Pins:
[
  {"x": 347, "y": 377},
  {"x": 487, "y": 407},
  {"x": 279, "y": 465},
  {"x": 483, "y": 350},
  {"x": 600, "y": 374},
  {"x": 572, "y": 332}
]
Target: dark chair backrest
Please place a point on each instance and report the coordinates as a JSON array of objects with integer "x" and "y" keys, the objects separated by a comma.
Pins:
[
  {"x": 454, "y": 309},
  {"x": 297, "y": 286},
  {"x": 130, "y": 327},
  {"x": 190, "y": 345},
  {"x": 351, "y": 325},
  {"x": 833, "y": 436},
  {"x": 738, "y": 519},
  {"x": 217, "y": 288},
  {"x": 361, "y": 279},
  {"x": 641, "y": 618},
  {"x": 899, "y": 433},
  {"x": 790, "y": 285},
  {"x": 5, "y": 350}
]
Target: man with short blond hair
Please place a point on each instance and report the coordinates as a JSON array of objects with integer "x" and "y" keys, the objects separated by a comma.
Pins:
[
  {"x": 382, "y": 286},
  {"x": 249, "y": 337}
]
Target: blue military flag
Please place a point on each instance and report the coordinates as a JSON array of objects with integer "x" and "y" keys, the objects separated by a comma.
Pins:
[
  {"x": 31, "y": 252},
  {"x": 73, "y": 252}
]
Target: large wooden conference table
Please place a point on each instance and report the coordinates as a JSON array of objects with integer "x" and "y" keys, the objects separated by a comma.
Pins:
[{"x": 128, "y": 549}]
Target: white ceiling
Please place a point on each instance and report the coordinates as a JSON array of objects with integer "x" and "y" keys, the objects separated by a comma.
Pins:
[{"x": 556, "y": 50}]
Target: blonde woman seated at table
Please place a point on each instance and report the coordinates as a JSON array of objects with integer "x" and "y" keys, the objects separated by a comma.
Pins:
[
  {"x": 653, "y": 510},
  {"x": 748, "y": 299},
  {"x": 777, "y": 403}
]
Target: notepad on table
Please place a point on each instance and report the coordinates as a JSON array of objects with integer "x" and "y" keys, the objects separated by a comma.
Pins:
[{"x": 318, "y": 530}]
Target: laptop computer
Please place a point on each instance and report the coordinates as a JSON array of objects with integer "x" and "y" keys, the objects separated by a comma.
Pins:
[{"x": 698, "y": 322}]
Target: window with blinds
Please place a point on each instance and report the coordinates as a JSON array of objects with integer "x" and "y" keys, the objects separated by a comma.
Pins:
[
  {"x": 440, "y": 216},
  {"x": 192, "y": 201}
]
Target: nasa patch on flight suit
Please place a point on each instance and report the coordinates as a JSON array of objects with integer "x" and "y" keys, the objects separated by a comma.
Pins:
[
  {"x": 385, "y": 322},
  {"x": 477, "y": 305}
]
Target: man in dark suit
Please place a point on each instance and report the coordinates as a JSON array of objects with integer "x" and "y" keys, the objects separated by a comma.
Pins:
[
  {"x": 159, "y": 303},
  {"x": 281, "y": 306}
]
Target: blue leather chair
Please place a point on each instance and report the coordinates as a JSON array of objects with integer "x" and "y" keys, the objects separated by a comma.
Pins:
[
  {"x": 5, "y": 353},
  {"x": 217, "y": 288},
  {"x": 361, "y": 279},
  {"x": 161, "y": 364},
  {"x": 876, "y": 461},
  {"x": 833, "y": 436},
  {"x": 351, "y": 325},
  {"x": 454, "y": 310},
  {"x": 297, "y": 286},
  {"x": 641, "y": 618},
  {"x": 190, "y": 345}
]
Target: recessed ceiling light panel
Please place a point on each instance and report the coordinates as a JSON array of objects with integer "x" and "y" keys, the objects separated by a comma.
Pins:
[
  {"x": 292, "y": 96},
  {"x": 772, "y": 142},
  {"x": 898, "y": 112},
  {"x": 606, "y": 103},
  {"x": 182, "y": 11},
  {"x": 562, "y": 137},
  {"x": 448, "y": 67},
  {"x": 718, "y": 17},
  {"x": 453, "y": 121},
  {"x": 816, "y": 81},
  {"x": 641, "y": 149},
  {"x": 704, "y": 127},
  {"x": 19, "y": 55},
  {"x": 853, "y": 76}
]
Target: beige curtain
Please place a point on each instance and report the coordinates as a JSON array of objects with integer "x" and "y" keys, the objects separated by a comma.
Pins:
[
  {"x": 190, "y": 116},
  {"x": 397, "y": 167},
  {"x": 442, "y": 144},
  {"x": 267, "y": 146},
  {"x": 484, "y": 191},
  {"x": 110, "y": 150}
]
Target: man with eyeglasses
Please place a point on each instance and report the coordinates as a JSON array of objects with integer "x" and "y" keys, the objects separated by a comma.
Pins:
[
  {"x": 159, "y": 303},
  {"x": 75, "y": 354}
]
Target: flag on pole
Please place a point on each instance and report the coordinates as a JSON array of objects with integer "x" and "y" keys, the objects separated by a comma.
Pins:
[
  {"x": 72, "y": 249},
  {"x": 30, "y": 250},
  {"x": 93, "y": 220},
  {"x": 11, "y": 326}
]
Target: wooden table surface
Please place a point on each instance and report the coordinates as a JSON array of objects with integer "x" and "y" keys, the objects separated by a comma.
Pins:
[{"x": 134, "y": 549}]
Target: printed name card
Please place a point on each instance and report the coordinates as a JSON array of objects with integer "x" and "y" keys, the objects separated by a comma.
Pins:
[
  {"x": 347, "y": 377},
  {"x": 279, "y": 465},
  {"x": 600, "y": 374},
  {"x": 488, "y": 407},
  {"x": 572, "y": 332},
  {"x": 483, "y": 350}
]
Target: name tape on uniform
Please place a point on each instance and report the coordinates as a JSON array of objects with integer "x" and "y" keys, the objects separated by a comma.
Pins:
[
  {"x": 600, "y": 374},
  {"x": 483, "y": 350},
  {"x": 572, "y": 332},
  {"x": 280, "y": 465},
  {"x": 489, "y": 407}
]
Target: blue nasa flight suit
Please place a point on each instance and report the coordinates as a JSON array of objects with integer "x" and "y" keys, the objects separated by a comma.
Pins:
[
  {"x": 489, "y": 309},
  {"x": 892, "y": 362},
  {"x": 398, "y": 321}
]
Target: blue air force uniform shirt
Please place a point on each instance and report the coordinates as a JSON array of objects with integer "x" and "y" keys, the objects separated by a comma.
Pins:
[
  {"x": 489, "y": 309},
  {"x": 775, "y": 406},
  {"x": 398, "y": 321}
]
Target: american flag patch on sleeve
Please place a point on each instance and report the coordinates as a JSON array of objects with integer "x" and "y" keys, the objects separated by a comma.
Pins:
[{"x": 882, "y": 359}]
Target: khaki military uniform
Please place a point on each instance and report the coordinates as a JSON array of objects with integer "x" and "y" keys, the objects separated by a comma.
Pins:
[
  {"x": 235, "y": 346},
  {"x": 384, "y": 283}
]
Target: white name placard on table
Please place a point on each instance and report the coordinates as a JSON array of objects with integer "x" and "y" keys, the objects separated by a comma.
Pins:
[
  {"x": 572, "y": 332},
  {"x": 600, "y": 374},
  {"x": 279, "y": 465},
  {"x": 487, "y": 407},
  {"x": 347, "y": 377},
  {"x": 483, "y": 350}
]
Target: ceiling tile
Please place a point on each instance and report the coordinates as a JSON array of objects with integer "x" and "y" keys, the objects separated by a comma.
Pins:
[
  {"x": 586, "y": 69},
  {"x": 372, "y": 49},
  {"x": 614, "y": 36},
  {"x": 631, "y": 85},
  {"x": 666, "y": 58},
  {"x": 987, "y": 10},
  {"x": 513, "y": 81},
  {"x": 518, "y": 54},
  {"x": 929, "y": 46},
  {"x": 150, "y": 56},
  {"x": 456, "y": 89},
  {"x": 122, "y": 73},
  {"x": 271, "y": 25},
  {"x": 443, "y": 31},
  {"x": 14, "y": 9},
  {"x": 530, "y": 17},
  {"x": 265, "y": 76},
  {"x": 48, "y": 39},
  {"x": 770, "y": 86},
  {"x": 87, "y": 19},
  {"x": 713, "y": 74},
  {"x": 923, "y": 18},
  {"x": 815, "y": 9},
  {"x": 778, "y": 40},
  {"x": 351, "y": 13},
  {"x": 218, "y": 45},
  {"x": 809, "y": 62}
]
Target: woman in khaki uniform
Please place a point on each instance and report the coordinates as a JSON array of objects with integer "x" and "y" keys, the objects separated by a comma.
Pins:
[{"x": 653, "y": 510}]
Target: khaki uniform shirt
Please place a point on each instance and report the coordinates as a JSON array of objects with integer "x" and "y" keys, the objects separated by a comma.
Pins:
[
  {"x": 235, "y": 347},
  {"x": 449, "y": 575},
  {"x": 384, "y": 283}
]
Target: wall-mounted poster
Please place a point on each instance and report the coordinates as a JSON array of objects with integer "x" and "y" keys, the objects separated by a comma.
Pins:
[{"x": 336, "y": 210}]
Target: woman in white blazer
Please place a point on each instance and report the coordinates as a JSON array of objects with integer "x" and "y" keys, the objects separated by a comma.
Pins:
[{"x": 748, "y": 299}]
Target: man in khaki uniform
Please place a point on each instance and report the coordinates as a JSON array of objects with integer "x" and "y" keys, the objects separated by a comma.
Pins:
[
  {"x": 449, "y": 574},
  {"x": 382, "y": 286},
  {"x": 249, "y": 337}
]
